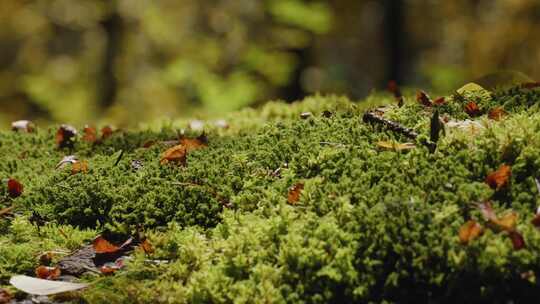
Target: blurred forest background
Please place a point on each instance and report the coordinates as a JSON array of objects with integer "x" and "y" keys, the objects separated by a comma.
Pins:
[{"x": 130, "y": 61}]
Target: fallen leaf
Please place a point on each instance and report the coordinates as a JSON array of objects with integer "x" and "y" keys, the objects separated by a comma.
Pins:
[
  {"x": 500, "y": 178},
  {"x": 101, "y": 245},
  {"x": 507, "y": 222},
  {"x": 23, "y": 125},
  {"x": 469, "y": 231},
  {"x": 294, "y": 193},
  {"x": 89, "y": 134},
  {"x": 424, "y": 99},
  {"x": 106, "y": 132},
  {"x": 194, "y": 143},
  {"x": 393, "y": 146},
  {"x": 108, "y": 270},
  {"x": 440, "y": 101},
  {"x": 497, "y": 113},
  {"x": 306, "y": 115},
  {"x": 176, "y": 154},
  {"x": 15, "y": 189},
  {"x": 6, "y": 210},
  {"x": 46, "y": 257},
  {"x": 65, "y": 136},
  {"x": 146, "y": 246},
  {"x": 517, "y": 239},
  {"x": 70, "y": 159},
  {"x": 48, "y": 273},
  {"x": 472, "y": 109},
  {"x": 79, "y": 167},
  {"x": 5, "y": 296},
  {"x": 43, "y": 287}
]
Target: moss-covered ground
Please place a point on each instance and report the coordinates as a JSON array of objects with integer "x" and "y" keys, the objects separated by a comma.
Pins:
[{"x": 371, "y": 224}]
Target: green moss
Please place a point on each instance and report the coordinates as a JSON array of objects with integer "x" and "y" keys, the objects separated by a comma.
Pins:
[{"x": 370, "y": 225}]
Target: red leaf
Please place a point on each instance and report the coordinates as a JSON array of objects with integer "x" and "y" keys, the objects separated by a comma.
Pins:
[
  {"x": 424, "y": 99},
  {"x": 194, "y": 143},
  {"x": 15, "y": 189},
  {"x": 294, "y": 193},
  {"x": 500, "y": 178},
  {"x": 176, "y": 154},
  {"x": 517, "y": 239},
  {"x": 472, "y": 109},
  {"x": 48, "y": 273}
]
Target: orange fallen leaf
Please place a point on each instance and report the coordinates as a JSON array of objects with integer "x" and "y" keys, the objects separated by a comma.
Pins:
[
  {"x": 108, "y": 270},
  {"x": 48, "y": 273},
  {"x": 469, "y": 231},
  {"x": 65, "y": 136},
  {"x": 101, "y": 245},
  {"x": 176, "y": 154},
  {"x": 472, "y": 109},
  {"x": 89, "y": 134},
  {"x": 146, "y": 246},
  {"x": 194, "y": 143},
  {"x": 499, "y": 178},
  {"x": 23, "y": 125},
  {"x": 497, "y": 113},
  {"x": 294, "y": 193},
  {"x": 424, "y": 99},
  {"x": 79, "y": 167},
  {"x": 15, "y": 189}
]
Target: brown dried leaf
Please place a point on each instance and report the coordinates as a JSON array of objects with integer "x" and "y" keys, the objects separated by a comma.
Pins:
[
  {"x": 424, "y": 99},
  {"x": 472, "y": 109},
  {"x": 440, "y": 101},
  {"x": 48, "y": 273},
  {"x": 500, "y": 178},
  {"x": 469, "y": 231},
  {"x": 15, "y": 189},
  {"x": 79, "y": 167},
  {"x": 487, "y": 211},
  {"x": 497, "y": 113},
  {"x": 294, "y": 193},
  {"x": 106, "y": 132},
  {"x": 194, "y": 143},
  {"x": 146, "y": 246},
  {"x": 5, "y": 296},
  {"x": 89, "y": 134},
  {"x": 176, "y": 154}
]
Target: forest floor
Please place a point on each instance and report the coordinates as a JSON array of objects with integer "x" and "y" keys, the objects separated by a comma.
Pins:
[{"x": 322, "y": 201}]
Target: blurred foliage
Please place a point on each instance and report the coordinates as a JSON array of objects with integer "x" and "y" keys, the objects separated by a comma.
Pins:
[{"x": 127, "y": 61}]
